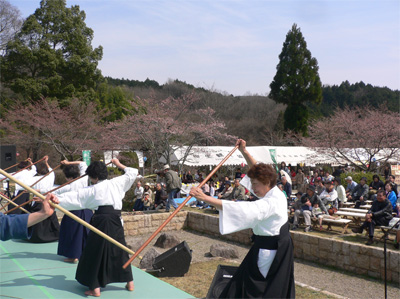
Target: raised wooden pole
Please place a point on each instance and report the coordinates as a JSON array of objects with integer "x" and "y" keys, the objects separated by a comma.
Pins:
[
  {"x": 68, "y": 213},
  {"x": 10, "y": 201},
  {"x": 179, "y": 208},
  {"x": 24, "y": 168}
]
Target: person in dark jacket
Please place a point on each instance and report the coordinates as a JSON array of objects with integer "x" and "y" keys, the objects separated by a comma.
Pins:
[
  {"x": 379, "y": 214},
  {"x": 359, "y": 193}
]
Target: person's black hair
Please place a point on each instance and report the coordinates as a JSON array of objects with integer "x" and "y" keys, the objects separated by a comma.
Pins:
[
  {"x": 41, "y": 168},
  {"x": 391, "y": 175},
  {"x": 97, "y": 170},
  {"x": 338, "y": 179},
  {"x": 23, "y": 164},
  {"x": 71, "y": 171},
  {"x": 375, "y": 176}
]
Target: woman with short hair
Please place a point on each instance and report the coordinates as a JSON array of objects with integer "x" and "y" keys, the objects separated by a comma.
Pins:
[{"x": 267, "y": 270}]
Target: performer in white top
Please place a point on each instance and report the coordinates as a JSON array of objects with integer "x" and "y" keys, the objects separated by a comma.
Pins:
[
  {"x": 267, "y": 270},
  {"x": 49, "y": 229},
  {"x": 101, "y": 261},
  {"x": 73, "y": 235}
]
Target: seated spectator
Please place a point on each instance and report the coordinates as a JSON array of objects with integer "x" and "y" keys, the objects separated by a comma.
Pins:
[
  {"x": 138, "y": 193},
  {"x": 280, "y": 186},
  {"x": 287, "y": 187},
  {"x": 199, "y": 203},
  {"x": 338, "y": 172},
  {"x": 238, "y": 192},
  {"x": 375, "y": 185},
  {"x": 147, "y": 201},
  {"x": 340, "y": 191},
  {"x": 350, "y": 186},
  {"x": 379, "y": 214},
  {"x": 297, "y": 203},
  {"x": 319, "y": 186},
  {"x": 227, "y": 190},
  {"x": 392, "y": 179},
  {"x": 189, "y": 177},
  {"x": 329, "y": 198},
  {"x": 317, "y": 213},
  {"x": 359, "y": 193},
  {"x": 160, "y": 197},
  {"x": 390, "y": 195},
  {"x": 222, "y": 186},
  {"x": 148, "y": 189},
  {"x": 327, "y": 177},
  {"x": 313, "y": 198}
]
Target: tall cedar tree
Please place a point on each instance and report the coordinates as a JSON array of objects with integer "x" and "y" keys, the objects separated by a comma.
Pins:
[
  {"x": 52, "y": 55},
  {"x": 296, "y": 81}
]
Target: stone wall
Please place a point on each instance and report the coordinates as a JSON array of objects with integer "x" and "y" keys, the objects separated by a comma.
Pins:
[
  {"x": 356, "y": 258},
  {"x": 149, "y": 222}
]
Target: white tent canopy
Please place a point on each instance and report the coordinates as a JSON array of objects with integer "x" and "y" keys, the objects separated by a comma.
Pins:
[{"x": 213, "y": 155}]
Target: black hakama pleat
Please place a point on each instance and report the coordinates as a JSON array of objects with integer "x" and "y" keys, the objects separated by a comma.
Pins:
[
  {"x": 73, "y": 235},
  {"x": 45, "y": 231},
  {"x": 20, "y": 200},
  {"x": 101, "y": 261},
  {"x": 248, "y": 282}
]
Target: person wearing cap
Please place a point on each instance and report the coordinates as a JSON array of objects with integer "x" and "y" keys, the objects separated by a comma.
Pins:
[
  {"x": 227, "y": 190},
  {"x": 360, "y": 193},
  {"x": 330, "y": 197},
  {"x": 350, "y": 185},
  {"x": 238, "y": 192},
  {"x": 148, "y": 189},
  {"x": 173, "y": 186},
  {"x": 147, "y": 201},
  {"x": 313, "y": 198}
]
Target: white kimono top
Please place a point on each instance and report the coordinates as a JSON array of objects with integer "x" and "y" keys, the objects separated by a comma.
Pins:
[
  {"x": 44, "y": 185},
  {"x": 24, "y": 176},
  {"x": 107, "y": 192},
  {"x": 265, "y": 216},
  {"x": 341, "y": 193},
  {"x": 78, "y": 184}
]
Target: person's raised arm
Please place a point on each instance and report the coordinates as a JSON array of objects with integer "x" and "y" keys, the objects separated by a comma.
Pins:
[
  {"x": 46, "y": 211},
  {"x": 199, "y": 195},
  {"x": 242, "y": 148},
  {"x": 117, "y": 163}
]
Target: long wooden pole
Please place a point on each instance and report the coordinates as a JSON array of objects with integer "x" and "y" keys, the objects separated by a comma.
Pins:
[
  {"x": 11, "y": 166},
  {"x": 10, "y": 201},
  {"x": 179, "y": 208},
  {"x": 31, "y": 186},
  {"x": 24, "y": 168},
  {"x": 68, "y": 213}
]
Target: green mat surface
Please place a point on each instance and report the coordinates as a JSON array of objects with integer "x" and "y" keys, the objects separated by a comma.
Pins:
[{"x": 35, "y": 271}]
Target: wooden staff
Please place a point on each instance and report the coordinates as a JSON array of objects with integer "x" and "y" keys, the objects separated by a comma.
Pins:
[
  {"x": 179, "y": 208},
  {"x": 10, "y": 201},
  {"x": 20, "y": 206},
  {"x": 24, "y": 168},
  {"x": 23, "y": 192},
  {"x": 68, "y": 213},
  {"x": 11, "y": 167}
]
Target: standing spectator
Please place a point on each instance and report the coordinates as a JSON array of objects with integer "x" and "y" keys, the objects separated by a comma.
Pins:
[
  {"x": 340, "y": 191},
  {"x": 387, "y": 171},
  {"x": 350, "y": 185},
  {"x": 189, "y": 178},
  {"x": 238, "y": 173},
  {"x": 359, "y": 193},
  {"x": 160, "y": 197},
  {"x": 379, "y": 214},
  {"x": 287, "y": 187},
  {"x": 300, "y": 180},
  {"x": 238, "y": 192},
  {"x": 338, "y": 172},
  {"x": 139, "y": 191},
  {"x": 284, "y": 168},
  {"x": 173, "y": 186}
]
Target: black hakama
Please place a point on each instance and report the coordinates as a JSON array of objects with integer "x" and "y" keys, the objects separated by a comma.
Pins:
[
  {"x": 101, "y": 261},
  {"x": 45, "y": 231},
  {"x": 73, "y": 235},
  {"x": 19, "y": 201},
  {"x": 248, "y": 282}
]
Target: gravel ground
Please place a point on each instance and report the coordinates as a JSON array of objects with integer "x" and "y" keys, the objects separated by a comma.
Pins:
[{"x": 317, "y": 276}]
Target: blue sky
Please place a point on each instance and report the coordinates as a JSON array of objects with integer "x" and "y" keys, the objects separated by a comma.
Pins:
[{"x": 233, "y": 46}]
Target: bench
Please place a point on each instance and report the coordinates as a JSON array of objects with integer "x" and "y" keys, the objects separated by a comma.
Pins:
[
  {"x": 365, "y": 207},
  {"x": 344, "y": 223},
  {"x": 348, "y": 204},
  {"x": 357, "y": 217},
  {"x": 360, "y": 211}
]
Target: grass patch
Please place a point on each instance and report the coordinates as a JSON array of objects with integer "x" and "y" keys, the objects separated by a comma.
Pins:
[{"x": 198, "y": 280}]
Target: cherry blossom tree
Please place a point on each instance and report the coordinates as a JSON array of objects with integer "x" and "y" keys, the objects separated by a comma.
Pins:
[
  {"x": 69, "y": 130},
  {"x": 161, "y": 127},
  {"x": 363, "y": 137}
]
